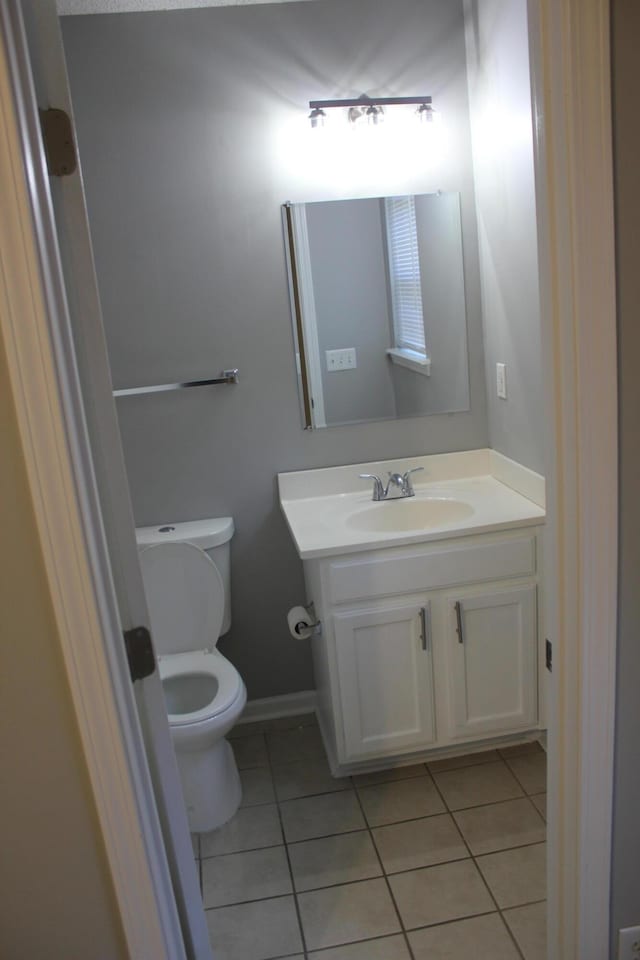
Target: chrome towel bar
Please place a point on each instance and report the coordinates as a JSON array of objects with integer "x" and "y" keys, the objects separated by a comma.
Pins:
[{"x": 227, "y": 376}]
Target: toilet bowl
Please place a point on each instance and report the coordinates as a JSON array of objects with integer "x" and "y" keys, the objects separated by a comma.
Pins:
[{"x": 188, "y": 600}]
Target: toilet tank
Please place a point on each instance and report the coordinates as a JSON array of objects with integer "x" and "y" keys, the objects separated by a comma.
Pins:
[{"x": 213, "y": 536}]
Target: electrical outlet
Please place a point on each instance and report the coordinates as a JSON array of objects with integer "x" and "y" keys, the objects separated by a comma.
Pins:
[
  {"x": 344, "y": 359},
  {"x": 629, "y": 943},
  {"x": 501, "y": 380}
]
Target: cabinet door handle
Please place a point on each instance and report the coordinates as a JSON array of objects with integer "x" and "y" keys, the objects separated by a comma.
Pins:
[
  {"x": 459, "y": 628},
  {"x": 425, "y": 626}
]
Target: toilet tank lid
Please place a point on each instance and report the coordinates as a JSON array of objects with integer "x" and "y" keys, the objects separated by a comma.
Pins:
[{"x": 203, "y": 533}]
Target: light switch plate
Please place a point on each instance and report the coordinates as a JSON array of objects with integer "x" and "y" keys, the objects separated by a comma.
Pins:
[
  {"x": 501, "y": 380},
  {"x": 344, "y": 359},
  {"x": 629, "y": 943}
]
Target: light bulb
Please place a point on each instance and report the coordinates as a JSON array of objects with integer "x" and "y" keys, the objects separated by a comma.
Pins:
[{"x": 317, "y": 117}]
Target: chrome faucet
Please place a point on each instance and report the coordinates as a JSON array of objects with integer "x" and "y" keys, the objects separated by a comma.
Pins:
[{"x": 401, "y": 482}]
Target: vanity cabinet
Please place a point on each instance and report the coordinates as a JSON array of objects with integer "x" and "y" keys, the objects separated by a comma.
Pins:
[
  {"x": 385, "y": 664},
  {"x": 425, "y": 647},
  {"x": 492, "y": 646}
]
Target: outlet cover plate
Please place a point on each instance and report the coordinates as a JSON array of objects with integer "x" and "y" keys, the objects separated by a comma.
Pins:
[
  {"x": 344, "y": 359},
  {"x": 501, "y": 380}
]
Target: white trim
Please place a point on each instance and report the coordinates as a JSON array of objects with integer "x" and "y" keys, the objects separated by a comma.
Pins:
[
  {"x": 81, "y": 614},
  {"x": 286, "y": 705},
  {"x": 411, "y": 359},
  {"x": 572, "y": 98},
  {"x": 308, "y": 309}
]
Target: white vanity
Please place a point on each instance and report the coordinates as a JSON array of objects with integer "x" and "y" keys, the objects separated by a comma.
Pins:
[{"x": 429, "y": 606}]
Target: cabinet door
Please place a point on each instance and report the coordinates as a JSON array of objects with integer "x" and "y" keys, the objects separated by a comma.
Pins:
[
  {"x": 386, "y": 679},
  {"x": 492, "y": 651}
]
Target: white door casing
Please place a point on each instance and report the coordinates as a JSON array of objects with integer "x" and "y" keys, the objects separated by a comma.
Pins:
[{"x": 156, "y": 862}]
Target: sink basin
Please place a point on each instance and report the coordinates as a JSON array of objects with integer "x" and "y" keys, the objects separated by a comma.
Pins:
[{"x": 391, "y": 516}]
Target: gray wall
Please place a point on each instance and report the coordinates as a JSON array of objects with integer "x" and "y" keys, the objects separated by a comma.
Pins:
[
  {"x": 350, "y": 293},
  {"x": 192, "y": 131},
  {"x": 500, "y": 101},
  {"x": 626, "y": 826}
]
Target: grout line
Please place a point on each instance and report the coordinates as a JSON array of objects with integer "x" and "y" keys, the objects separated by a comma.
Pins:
[
  {"x": 369, "y": 828},
  {"x": 384, "y": 875},
  {"x": 303, "y": 939},
  {"x": 479, "y": 871}
]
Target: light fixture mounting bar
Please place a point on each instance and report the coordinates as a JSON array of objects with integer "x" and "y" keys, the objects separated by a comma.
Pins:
[{"x": 368, "y": 101}]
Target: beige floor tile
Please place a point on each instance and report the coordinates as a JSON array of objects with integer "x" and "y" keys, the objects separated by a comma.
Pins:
[
  {"x": 277, "y": 723},
  {"x": 438, "y": 894},
  {"x": 520, "y": 749},
  {"x": 539, "y": 800},
  {"x": 242, "y": 730},
  {"x": 419, "y": 843},
  {"x": 332, "y": 860},
  {"x": 516, "y": 877},
  {"x": 250, "y": 751},
  {"x": 290, "y": 723},
  {"x": 488, "y": 783},
  {"x": 499, "y": 826},
  {"x": 467, "y": 760},
  {"x": 385, "y": 948},
  {"x": 529, "y": 927},
  {"x": 307, "y": 777},
  {"x": 257, "y": 786},
  {"x": 321, "y": 816},
  {"x": 252, "y": 827},
  {"x": 480, "y": 938},
  {"x": 245, "y": 876},
  {"x": 393, "y": 773},
  {"x": 300, "y": 743},
  {"x": 400, "y": 800},
  {"x": 531, "y": 770},
  {"x": 255, "y": 931},
  {"x": 355, "y": 911}
]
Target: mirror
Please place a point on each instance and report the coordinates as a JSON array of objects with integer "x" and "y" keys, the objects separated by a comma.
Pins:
[{"x": 378, "y": 305}]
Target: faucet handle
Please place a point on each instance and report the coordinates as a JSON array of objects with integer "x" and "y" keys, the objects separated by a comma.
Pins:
[
  {"x": 378, "y": 488},
  {"x": 409, "y": 491}
]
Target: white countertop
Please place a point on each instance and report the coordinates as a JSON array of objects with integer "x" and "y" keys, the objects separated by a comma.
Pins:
[{"x": 323, "y": 521}]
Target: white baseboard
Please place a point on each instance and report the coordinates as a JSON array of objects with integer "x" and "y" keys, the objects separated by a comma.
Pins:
[{"x": 287, "y": 705}]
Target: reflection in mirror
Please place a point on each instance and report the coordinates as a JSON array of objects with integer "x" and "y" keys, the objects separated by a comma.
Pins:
[{"x": 378, "y": 304}]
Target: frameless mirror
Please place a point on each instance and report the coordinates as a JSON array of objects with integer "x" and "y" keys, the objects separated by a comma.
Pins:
[{"x": 378, "y": 305}]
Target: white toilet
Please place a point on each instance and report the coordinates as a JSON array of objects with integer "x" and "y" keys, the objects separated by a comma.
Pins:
[{"x": 186, "y": 573}]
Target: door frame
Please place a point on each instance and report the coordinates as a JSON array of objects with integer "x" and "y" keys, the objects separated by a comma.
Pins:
[
  {"x": 572, "y": 105},
  {"x": 571, "y": 86}
]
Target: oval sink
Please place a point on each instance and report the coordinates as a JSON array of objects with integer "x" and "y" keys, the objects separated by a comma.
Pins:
[{"x": 391, "y": 516}]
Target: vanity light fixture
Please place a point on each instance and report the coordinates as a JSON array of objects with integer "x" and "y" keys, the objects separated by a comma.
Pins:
[
  {"x": 317, "y": 117},
  {"x": 371, "y": 109}
]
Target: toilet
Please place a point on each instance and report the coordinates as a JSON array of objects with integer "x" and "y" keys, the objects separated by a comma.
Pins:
[{"x": 186, "y": 573}]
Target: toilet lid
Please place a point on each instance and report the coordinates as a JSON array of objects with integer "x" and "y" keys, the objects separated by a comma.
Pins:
[{"x": 185, "y": 596}]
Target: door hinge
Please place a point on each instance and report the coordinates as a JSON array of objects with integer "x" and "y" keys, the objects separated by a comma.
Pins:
[
  {"x": 142, "y": 659},
  {"x": 548, "y": 655},
  {"x": 59, "y": 143}
]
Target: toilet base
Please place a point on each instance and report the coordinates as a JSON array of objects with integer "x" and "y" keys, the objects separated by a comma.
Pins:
[{"x": 211, "y": 785}]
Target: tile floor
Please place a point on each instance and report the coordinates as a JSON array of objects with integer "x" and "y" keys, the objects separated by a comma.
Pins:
[{"x": 432, "y": 861}]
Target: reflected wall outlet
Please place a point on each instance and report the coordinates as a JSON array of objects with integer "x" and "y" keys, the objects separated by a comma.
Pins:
[
  {"x": 629, "y": 943},
  {"x": 341, "y": 359},
  {"x": 501, "y": 380}
]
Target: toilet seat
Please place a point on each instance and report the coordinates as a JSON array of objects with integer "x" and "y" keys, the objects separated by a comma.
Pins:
[{"x": 207, "y": 663}]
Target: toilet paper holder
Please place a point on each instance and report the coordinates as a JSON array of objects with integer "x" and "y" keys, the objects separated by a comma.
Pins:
[{"x": 303, "y": 622}]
